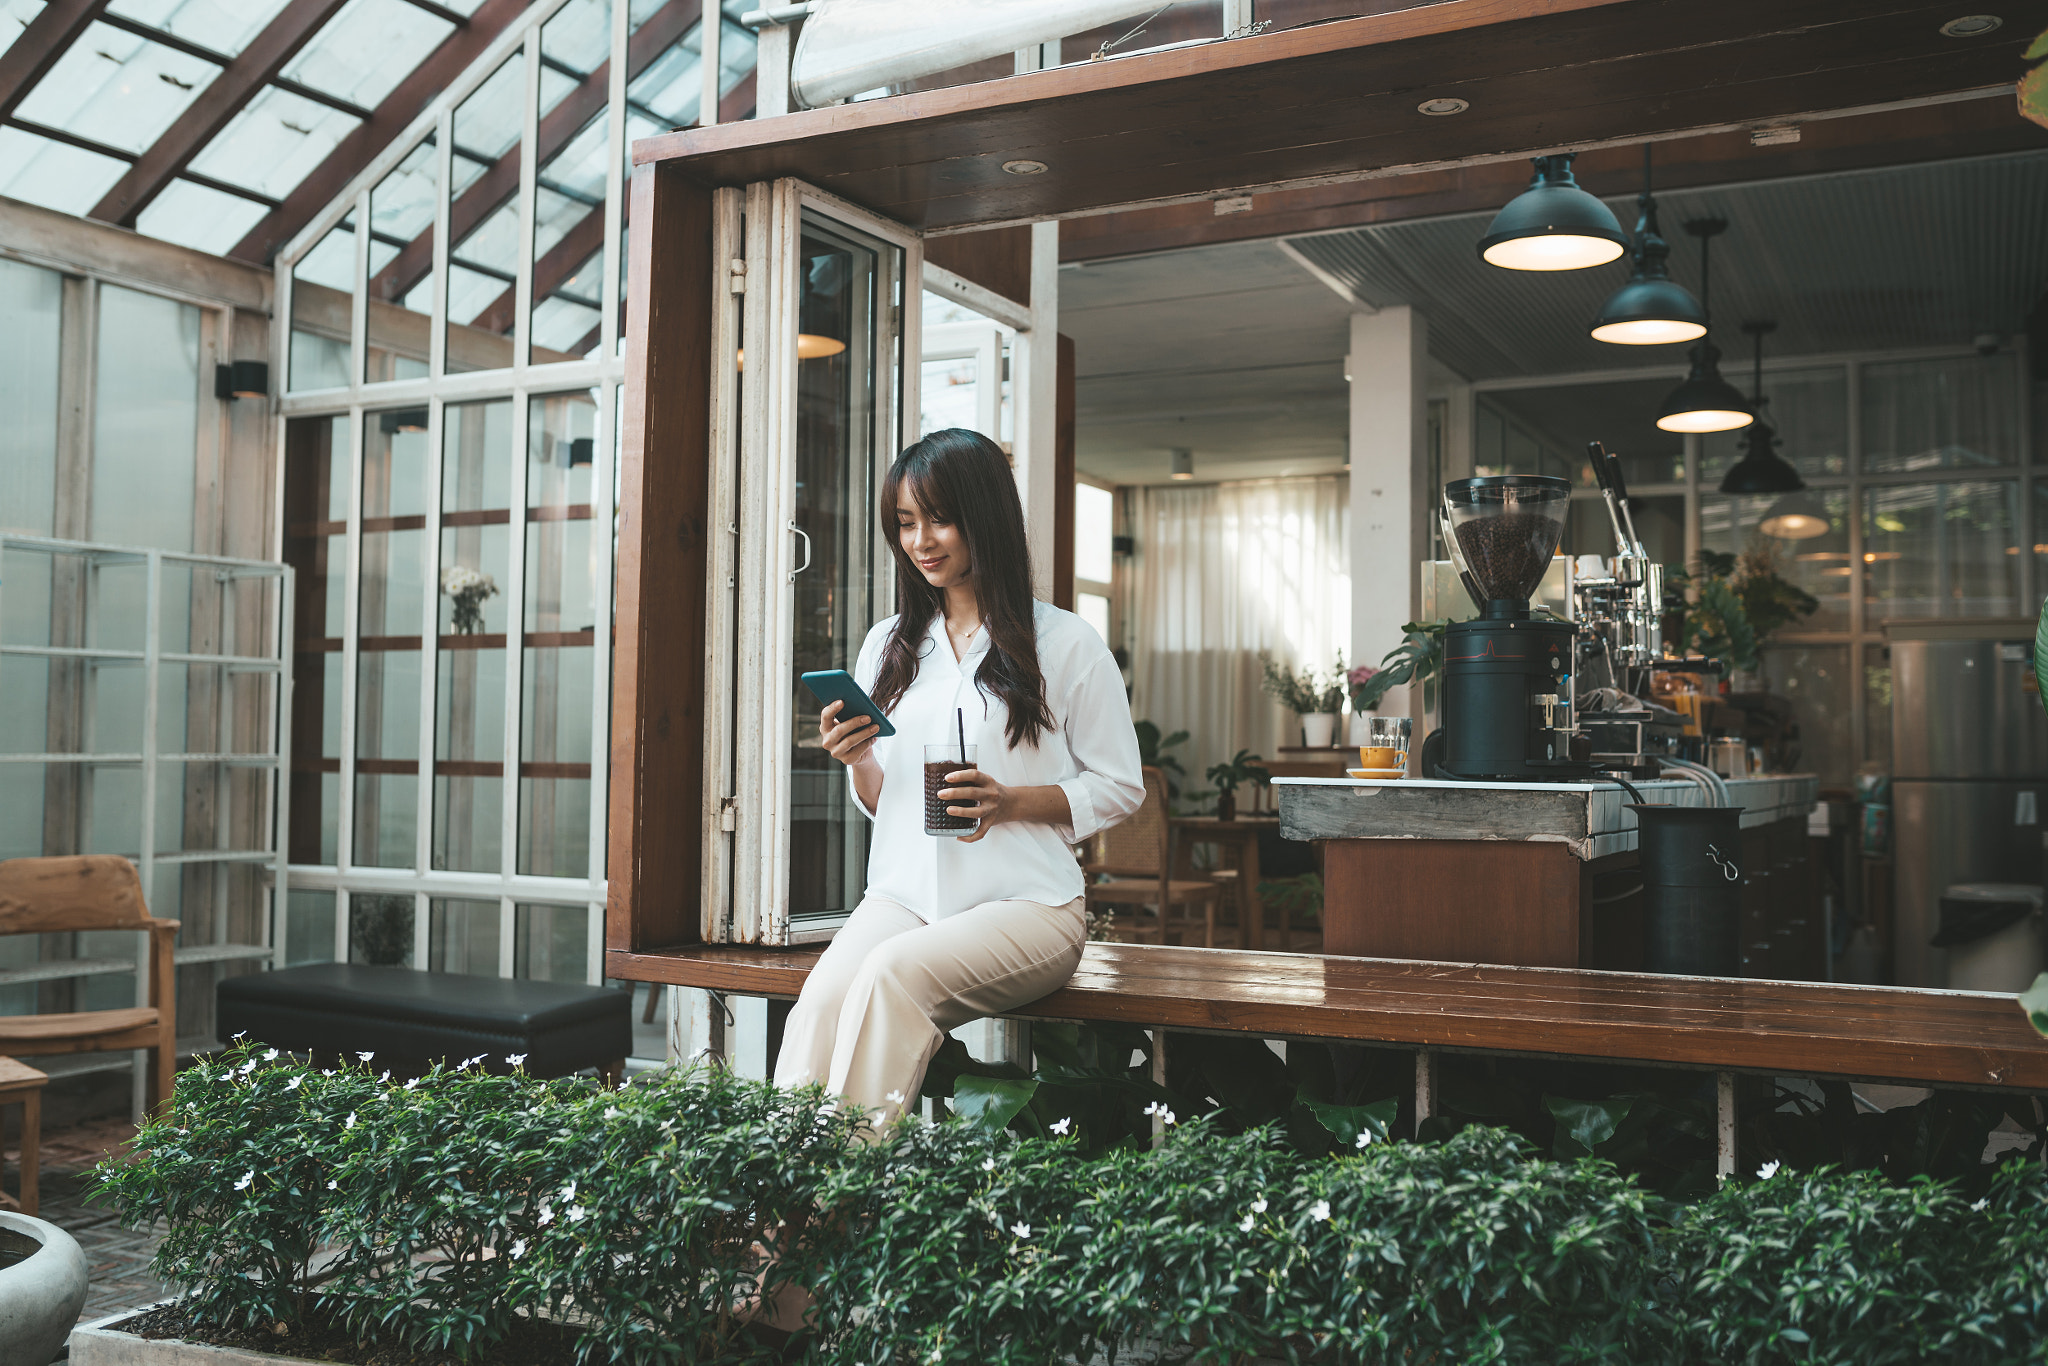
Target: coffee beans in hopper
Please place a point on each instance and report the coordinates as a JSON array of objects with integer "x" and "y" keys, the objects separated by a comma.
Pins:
[{"x": 1509, "y": 553}]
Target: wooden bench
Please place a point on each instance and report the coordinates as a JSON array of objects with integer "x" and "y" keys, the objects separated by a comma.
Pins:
[{"x": 1956, "y": 1040}]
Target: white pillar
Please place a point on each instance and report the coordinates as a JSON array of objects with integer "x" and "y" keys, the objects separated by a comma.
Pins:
[
  {"x": 1035, "y": 393},
  {"x": 774, "y": 46},
  {"x": 1389, "y": 370}
]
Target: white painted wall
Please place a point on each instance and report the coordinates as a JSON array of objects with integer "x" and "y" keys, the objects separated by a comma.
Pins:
[
  {"x": 1389, "y": 371},
  {"x": 1035, "y": 392}
]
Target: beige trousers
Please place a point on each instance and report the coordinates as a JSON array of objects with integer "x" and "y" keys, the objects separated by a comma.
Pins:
[{"x": 889, "y": 987}]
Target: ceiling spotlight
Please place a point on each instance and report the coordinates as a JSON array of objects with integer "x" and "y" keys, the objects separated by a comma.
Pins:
[
  {"x": 1971, "y": 26},
  {"x": 1449, "y": 104},
  {"x": 1183, "y": 463},
  {"x": 1650, "y": 310},
  {"x": 1762, "y": 469},
  {"x": 1705, "y": 402},
  {"x": 1553, "y": 225},
  {"x": 1025, "y": 166}
]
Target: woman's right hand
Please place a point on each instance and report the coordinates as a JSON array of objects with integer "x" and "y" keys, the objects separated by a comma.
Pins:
[{"x": 850, "y": 741}]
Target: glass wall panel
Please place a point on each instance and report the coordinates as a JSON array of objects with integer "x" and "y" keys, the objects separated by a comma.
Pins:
[
  {"x": 316, "y": 484},
  {"x": 32, "y": 301},
  {"x": 568, "y": 210},
  {"x": 145, "y": 421},
  {"x": 309, "y": 928},
  {"x": 1877, "y": 706},
  {"x": 380, "y": 928},
  {"x": 401, "y": 265},
  {"x": 462, "y": 936},
  {"x": 483, "y": 224},
  {"x": 551, "y": 943},
  {"x": 322, "y": 299},
  {"x": 835, "y": 458},
  {"x": 1956, "y": 413},
  {"x": 1941, "y": 550},
  {"x": 561, "y": 632},
  {"x": 391, "y": 589},
  {"x": 469, "y": 712},
  {"x": 1818, "y": 682},
  {"x": 1659, "y": 520},
  {"x": 1545, "y": 431},
  {"x": 1819, "y": 565},
  {"x": 1810, "y": 411}
]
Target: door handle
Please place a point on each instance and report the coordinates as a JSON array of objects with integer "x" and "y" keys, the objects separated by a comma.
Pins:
[{"x": 807, "y": 550}]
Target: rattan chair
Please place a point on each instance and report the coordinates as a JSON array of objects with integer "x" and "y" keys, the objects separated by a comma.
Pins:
[
  {"x": 1146, "y": 904},
  {"x": 93, "y": 892}
]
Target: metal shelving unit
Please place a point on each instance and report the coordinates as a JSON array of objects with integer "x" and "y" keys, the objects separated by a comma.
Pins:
[{"x": 205, "y": 936}]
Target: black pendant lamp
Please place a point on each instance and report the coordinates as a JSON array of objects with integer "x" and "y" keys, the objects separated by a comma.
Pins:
[
  {"x": 1762, "y": 469},
  {"x": 1651, "y": 309},
  {"x": 1705, "y": 402},
  {"x": 1553, "y": 225}
]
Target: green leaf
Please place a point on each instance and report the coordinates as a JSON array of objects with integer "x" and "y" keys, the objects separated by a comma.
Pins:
[
  {"x": 2034, "y": 1001},
  {"x": 1583, "y": 1125},
  {"x": 2037, "y": 49},
  {"x": 1347, "y": 1122},
  {"x": 991, "y": 1102},
  {"x": 2041, "y": 643}
]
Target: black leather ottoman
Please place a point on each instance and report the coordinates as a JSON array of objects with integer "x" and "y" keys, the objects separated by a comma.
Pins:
[{"x": 406, "y": 1016}]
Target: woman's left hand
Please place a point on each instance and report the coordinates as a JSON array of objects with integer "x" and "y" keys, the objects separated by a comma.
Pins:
[{"x": 974, "y": 793}]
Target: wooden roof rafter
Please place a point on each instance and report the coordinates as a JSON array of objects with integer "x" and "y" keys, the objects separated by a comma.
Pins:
[{"x": 29, "y": 58}]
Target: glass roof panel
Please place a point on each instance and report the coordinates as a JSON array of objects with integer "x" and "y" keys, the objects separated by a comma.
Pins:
[
  {"x": 488, "y": 123},
  {"x": 402, "y": 206},
  {"x": 117, "y": 89},
  {"x": 669, "y": 86},
  {"x": 199, "y": 217},
  {"x": 578, "y": 36},
  {"x": 362, "y": 53},
  {"x": 55, "y": 175},
  {"x": 223, "y": 25},
  {"x": 274, "y": 143},
  {"x": 578, "y": 169},
  {"x": 14, "y": 17},
  {"x": 333, "y": 262}
]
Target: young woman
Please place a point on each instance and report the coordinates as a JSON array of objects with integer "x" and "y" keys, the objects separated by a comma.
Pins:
[{"x": 954, "y": 929}]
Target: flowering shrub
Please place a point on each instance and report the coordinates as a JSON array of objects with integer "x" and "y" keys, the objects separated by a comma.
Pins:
[{"x": 450, "y": 1207}]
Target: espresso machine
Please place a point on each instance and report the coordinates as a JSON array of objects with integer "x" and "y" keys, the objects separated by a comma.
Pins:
[{"x": 1507, "y": 681}]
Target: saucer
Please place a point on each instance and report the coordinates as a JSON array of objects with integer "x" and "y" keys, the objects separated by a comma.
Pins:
[{"x": 1388, "y": 773}]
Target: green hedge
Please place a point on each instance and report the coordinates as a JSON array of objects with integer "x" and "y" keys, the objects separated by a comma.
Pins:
[{"x": 456, "y": 1203}]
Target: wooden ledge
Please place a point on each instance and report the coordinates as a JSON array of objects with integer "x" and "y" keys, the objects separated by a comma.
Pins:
[{"x": 1892, "y": 1034}]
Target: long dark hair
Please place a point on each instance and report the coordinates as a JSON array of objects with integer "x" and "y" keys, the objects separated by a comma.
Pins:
[{"x": 964, "y": 478}]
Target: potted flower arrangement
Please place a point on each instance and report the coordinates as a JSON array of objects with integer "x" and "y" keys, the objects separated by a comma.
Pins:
[
  {"x": 1242, "y": 767},
  {"x": 1316, "y": 700},
  {"x": 1356, "y": 680}
]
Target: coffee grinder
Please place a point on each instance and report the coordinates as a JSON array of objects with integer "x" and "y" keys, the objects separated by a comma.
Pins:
[{"x": 1507, "y": 699}]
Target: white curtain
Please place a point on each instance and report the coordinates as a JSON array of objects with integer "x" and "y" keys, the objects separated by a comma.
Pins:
[{"x": 1222, "y": 572}]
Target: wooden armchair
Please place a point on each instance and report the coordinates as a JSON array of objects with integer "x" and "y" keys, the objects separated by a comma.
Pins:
[
  {"x": 1136, "y": 856},
  {"x": 93, "y": 892}
]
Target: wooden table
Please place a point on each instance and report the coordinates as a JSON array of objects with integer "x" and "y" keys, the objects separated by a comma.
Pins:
[
  {"x": 1242, "y": 837},
  {"x": 22, "y": 1085}
]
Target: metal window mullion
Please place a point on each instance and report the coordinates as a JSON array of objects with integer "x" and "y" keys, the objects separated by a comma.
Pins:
[
  {"x": 2030, "y": 587},
  {"x": 529, "y": 173},
  {"x": 602, "y": 498},
  {"x": 1860, "y": 648},
  {"x": 614, "y": 183},
  {"x": 280, "y": 773},
  {"x": 145, "y": 862},
  {"x": 508, "y": 927},
  {"x": 755, "y": 578},
  {"x": 515, "y": 669},
  {"x": 351, "y": 635},
  {"x": 359, "y": 297},
  {"x": 721, "y": 578},
  {"x": 437, "y": 306},
  {"x": 711, "y": 30},
  {"x": 776, "y": 700},
  {"x": 430, "y": 667}
]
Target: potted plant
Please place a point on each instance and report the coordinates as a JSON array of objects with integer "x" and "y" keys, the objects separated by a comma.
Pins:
[
  {"x": 1356, "y": 680},
  {"x": 1735, "y": 603},
  {"x": 1242, "y": 767},
  {"x": 1305, "y": 694},
  {"x": 1419, "y": 658},
  {"x": 42, "y": 1287}
]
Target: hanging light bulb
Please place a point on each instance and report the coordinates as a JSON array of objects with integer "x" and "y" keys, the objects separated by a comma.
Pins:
[
  {"x": 1553, "y": 225},
  {"x": 1762, "y": 469},
  {"x": 1796, "y": 517},
  {"x": 1705, "y": 402},
  {"x": 1651, "y": 309}
]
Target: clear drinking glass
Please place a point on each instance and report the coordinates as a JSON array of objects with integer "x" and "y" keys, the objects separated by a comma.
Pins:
[
  {"x": 1386, "y": 742},
  {"x": 939, "y": 760}
]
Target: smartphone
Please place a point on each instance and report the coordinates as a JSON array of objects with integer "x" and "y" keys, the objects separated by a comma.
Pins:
[{"x": 837, "y": 685}]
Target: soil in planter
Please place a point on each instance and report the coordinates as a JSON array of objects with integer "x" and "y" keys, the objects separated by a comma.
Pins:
[
  {"x": 16, "y": 1248},
  {"x": 322, "y": 1337}
]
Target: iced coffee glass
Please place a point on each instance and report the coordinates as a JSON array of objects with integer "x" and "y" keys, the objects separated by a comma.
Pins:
[{"x": 939, "y": 760}]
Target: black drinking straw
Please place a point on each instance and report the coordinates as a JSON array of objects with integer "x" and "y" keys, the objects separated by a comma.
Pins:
[{"x": 960, "y": 720}]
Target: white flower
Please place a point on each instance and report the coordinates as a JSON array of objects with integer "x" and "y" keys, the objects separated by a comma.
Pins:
[
  {"x": 1155, "y": 1108},
  {"x": 1060, "y": 1126},
  {"x": 1364, "y": 1137},
  {"x": 514, "y": 1059},
  {"x": 1768, "y": 1170},
  {"x": 1245, "y": 1224},
  {"x": 385, "y": 1077},
  {"x": 576, "y": 1213},
  {"x": 1166, "y": 1117},
  {"x": 894, "y": 1098},
  {"x": 1021, "y": 1230},
  {"x": 568, "y": 1193},
  {"x": 326, "y": 1071},
  {"x": 241, "y": 1033},
  {"x": 249, "y": 1067},
  {"x": 295, "y": 1083},
  {"x": 988, "y": 1164},
  {"x": 364, "y": 1057},
  {"x": 334, "y": 1185},
  {"x": 1319, "y": 1211},
  {"x": 271, "y": 1056},
  {"x": 547, "y": 1215},
  {"x": 1979, "y": 1206},
  {"x": 413, "y": 1085},
  {"x": 351, "y": 1120},
  {"x": 248, "y": 1180},
  {"x": 518, "y": 1248},
  {"x": 612, "y": 1112},
  {"x": 1259, "y": 1205}
]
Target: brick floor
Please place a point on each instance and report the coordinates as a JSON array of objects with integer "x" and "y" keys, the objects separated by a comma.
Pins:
[{"x": 117, "y": 1259}]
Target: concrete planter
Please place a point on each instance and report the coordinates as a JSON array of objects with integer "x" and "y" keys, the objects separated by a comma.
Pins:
[
  {"x": 100, "y": 1344},
  {"x": 40, "y": 1295}
]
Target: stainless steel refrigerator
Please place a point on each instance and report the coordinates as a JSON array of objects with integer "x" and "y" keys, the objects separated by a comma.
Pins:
[{"x": 1969, "y": 772}]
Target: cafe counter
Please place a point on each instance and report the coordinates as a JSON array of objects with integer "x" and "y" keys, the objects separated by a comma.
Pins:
[{"x": 1539, "y": 874}]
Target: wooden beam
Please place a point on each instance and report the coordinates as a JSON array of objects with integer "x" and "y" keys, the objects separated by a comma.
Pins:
[
  {"x": 1896, "y": 137},
  {"x": 1338, "y": 101},
  {"x": 657, "y": 746},
  {"x": 996, "y": 258},
  {"x": 390, "y": 118},
  {"x": 213, "y": 109},
  {"x": 582, "y": 103},
  {"x": 29, "y": 57}
]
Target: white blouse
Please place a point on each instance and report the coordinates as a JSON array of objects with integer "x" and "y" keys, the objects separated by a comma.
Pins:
[{"x": 1091, "y": 754}]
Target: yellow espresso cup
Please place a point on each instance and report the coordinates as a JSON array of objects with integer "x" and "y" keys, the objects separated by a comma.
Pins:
[{"x": 1370, "y": 756}]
